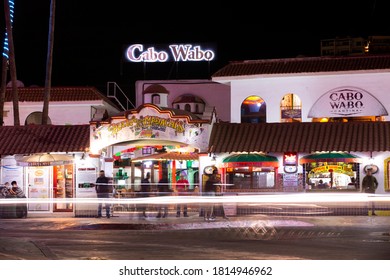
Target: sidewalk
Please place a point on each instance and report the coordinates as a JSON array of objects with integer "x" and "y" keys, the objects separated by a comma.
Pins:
[{"x": 133, "y": 221}]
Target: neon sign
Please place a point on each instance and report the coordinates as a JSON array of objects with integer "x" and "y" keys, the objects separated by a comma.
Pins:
[
  {"x": 145, "y": 124},
  {"x": 290, "y": 158},
  {"x": 185, "y": 52}
]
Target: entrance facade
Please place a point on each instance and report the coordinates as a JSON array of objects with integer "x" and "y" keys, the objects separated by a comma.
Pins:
[{"x": 151, "y": 139}]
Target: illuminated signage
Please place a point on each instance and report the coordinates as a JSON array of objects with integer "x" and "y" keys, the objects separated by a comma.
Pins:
[
  {"x": 291, "y": 113},
  {"x": 175, "y": 52},
  {"x": 290, "y": 158},
  {"x": 347, "y": 102},
  {"x": 149, "y": 123},
  {"x": 144, "y": 126}
]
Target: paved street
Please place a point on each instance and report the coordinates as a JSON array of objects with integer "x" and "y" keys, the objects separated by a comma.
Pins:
[{"x": 127, "y": 237}]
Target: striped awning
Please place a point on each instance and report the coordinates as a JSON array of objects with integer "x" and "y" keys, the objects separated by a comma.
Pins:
[
  {"x": 45, "y": 160},
  {"x": 168, "y": 156},
  {"x": 330, "y": 157},
  {"x": 250, "y": 159}
]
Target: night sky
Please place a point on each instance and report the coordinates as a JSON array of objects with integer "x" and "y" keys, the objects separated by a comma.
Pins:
[{"x": 90, "y": 36}]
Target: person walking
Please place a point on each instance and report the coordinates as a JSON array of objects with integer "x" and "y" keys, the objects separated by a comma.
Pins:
[
  {"x": 163, "y": 190},
  {"x": 145, "y": 189},
  {"x": 103, "y": 190},
  {"x": 21, "y": 208},
  {"x": 182, "y": 186},
  {"x": 369, "y": 185}
]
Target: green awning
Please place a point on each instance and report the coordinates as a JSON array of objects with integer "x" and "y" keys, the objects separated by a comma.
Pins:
[
  {"x": 250, "y": 159},
  {"x": 330, "y": 157}
]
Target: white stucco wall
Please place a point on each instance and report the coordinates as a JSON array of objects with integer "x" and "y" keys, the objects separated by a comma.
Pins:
[
  {"x": 60, "y": 113},
  {"x": 214, "y": 94},
  {"x": 308, "y": 87}
]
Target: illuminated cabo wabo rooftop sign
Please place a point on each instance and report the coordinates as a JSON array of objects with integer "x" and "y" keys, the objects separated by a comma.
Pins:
[{"x": 176, "y": 52}]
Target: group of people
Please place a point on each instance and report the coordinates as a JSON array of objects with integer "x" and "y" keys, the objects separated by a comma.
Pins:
[
  {"x": 322, "y": 185},
  {"x": 14, "y": 191},
  {"x": 163, "y": 189},
  {"x": 212, "y": 188},
  {"x": 181, "y": 188}
]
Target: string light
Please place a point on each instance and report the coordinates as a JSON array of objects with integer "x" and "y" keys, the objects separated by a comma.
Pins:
[{"x": 11, "y": 14}]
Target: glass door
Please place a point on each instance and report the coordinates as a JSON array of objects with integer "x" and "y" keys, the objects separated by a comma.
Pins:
[
  {"x": 38, "y": 187},
  {"x": 63, "y": 187}
]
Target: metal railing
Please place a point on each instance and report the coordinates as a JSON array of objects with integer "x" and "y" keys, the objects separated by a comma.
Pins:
[{"x": 114, "y": 91}]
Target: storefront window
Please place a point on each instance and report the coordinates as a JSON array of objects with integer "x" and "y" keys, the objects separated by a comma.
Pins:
[
  {"x": 247, "y": 178},
  {"x": 332, "y": 176}
]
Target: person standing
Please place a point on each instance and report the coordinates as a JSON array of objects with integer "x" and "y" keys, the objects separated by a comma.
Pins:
[
  {"x": 323, "y": 185},
  {"x": 163, "y": 190},
  {"x": 103, "y": 190},
  {"x": 4, "y": 190},
  {"x": 210, "y": 190},
  {"x": 353, "y": 184},
  {"x": 182, "y": 186},
  {"x": 145, "y": 189},
  {"x": 21, "y": 209},
  {"x": 369, "y": 185}
]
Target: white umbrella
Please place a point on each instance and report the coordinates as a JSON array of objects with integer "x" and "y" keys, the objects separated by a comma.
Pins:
[{"x": 45, "y": 160}]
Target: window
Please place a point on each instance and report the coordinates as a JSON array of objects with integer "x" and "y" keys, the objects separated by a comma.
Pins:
[
  {"x": 197, "y": 111},
  {"x": 156, "y": 99},
  {"x": 254, "y": 178},
  {"x": 253, "y": 110},
  {"x": 291, "y": 108}
]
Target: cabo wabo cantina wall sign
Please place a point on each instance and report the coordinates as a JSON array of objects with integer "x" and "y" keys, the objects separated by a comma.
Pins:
[
  {"x": 347, "y": 102},
  {"x": 175, "y": 52}
]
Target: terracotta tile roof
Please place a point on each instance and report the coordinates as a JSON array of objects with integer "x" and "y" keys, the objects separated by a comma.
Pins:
[
  {"x": 43, "y": 139},
  {"x": 304, "y": 65},
  {"x": 300, "y": 137},
  {"x": 155, "y": 89},
  {"x": 57, "y": 94}
]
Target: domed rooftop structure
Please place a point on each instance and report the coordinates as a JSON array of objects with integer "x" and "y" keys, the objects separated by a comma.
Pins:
[
  {"x": 156, "y": 88},
  {"x": 188, "y": 98},
  {"x": 157, "y": 95},
  {"x": 190, "y": 103}
]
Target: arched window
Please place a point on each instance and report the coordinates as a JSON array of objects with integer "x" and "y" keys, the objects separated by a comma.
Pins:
[
  {"x": 291, "y": 108},
  {"x": 253, "y": 110},
  {"x": 35, "y": 118},
  {"x": 156, "y": 99},
  {"x": 187, "y": 107},
  {"x": 197, "y": 110}
]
